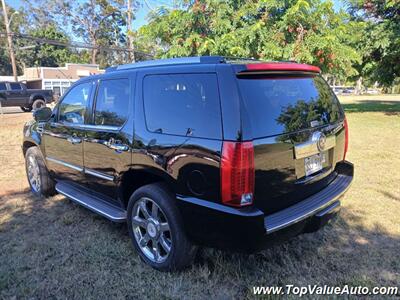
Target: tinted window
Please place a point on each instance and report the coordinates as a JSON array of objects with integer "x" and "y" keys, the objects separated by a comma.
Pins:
[
  {"x": 74, "y": 105},
  {"x": 15, "y": 86},
  {"x": 112, "y": 102},
  {"x": 183, "y": 104},
  {"x": 3, "y": 86},
  {"x": 285, "y": 104}
]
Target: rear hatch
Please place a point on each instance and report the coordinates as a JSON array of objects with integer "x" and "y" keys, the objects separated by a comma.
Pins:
[{"x": 297, "y": 127}]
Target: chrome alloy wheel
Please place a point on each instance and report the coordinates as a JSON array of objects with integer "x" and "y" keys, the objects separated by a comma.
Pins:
[
  {"x": 34, "y": 174},
  {"x": 151, "y": 230}
]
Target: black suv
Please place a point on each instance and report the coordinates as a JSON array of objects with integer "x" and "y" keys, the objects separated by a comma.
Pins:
[{"x": 196, "y": 151}]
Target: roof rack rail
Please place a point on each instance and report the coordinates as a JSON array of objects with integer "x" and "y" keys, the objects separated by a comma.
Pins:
[
  {"x": 288, "y": 61},
  {"x": 170, "y": 61},
  {"x": 241, "y": 59}
]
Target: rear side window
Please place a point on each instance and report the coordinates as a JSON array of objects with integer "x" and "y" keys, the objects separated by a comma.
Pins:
[
  {"x": 112, "y": 102},
  {"x": 283, "y": 104},
  {"x": 3, "y": 86},
  {"x": 74, "y": 104},
  {"x": 15, "y": 86},
  {"x": 183, "y": 104}
]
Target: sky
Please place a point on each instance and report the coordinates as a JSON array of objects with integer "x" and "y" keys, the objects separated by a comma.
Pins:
[
  {"x": 144, "y": 9},
  {"x": 140, "y": 15}
]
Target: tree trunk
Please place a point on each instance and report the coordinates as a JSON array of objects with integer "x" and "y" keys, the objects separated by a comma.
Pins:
[
  {"x": 358, "y": 88},
  {"x": 130, "y": 38},
  {"x": 10, "y": 41},
  {"x": 94, "y": 54}
]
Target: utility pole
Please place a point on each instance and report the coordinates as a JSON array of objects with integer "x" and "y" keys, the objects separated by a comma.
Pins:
[
  {"x": 10, "y": 41},
  {"x": 130, "y": 37}
]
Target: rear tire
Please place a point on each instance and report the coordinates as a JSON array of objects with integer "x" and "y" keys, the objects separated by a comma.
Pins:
[
  {"x": 38, "y": 103},
  {"x": 39, "y": 179},
  {"x": 156, "y": 229}
]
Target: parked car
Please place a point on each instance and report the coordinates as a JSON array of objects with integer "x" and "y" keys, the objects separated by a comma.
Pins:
[
  {"x": 348, "y": 91},
  {"x": 372, "y": 92},
  {"x": 16, "y": 94},
  {"x": 196, "y": 151}
]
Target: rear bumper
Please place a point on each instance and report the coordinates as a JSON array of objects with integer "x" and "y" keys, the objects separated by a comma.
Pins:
[
  {"x": 249, "y": 229},
  {"x": 49, "y": 99}
]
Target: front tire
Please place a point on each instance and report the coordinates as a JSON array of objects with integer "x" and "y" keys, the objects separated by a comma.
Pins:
[
  {"x": 156, "y": 229},
  {"x": 39, "y": 179}
]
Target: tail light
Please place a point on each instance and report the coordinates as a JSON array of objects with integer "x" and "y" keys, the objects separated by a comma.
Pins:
[
  {"x": 237, "y": 173},
  {"x": 346, "y": 135}
]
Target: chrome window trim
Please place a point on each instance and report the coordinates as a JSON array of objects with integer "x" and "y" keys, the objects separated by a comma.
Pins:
[
  {"x": 81, "y": 169},
  {"x": 65, "y": 164},
  {"x": 100, "y": 127},
  {"x": 88, "y": 126},
  {"x": 99, "y": 175}
]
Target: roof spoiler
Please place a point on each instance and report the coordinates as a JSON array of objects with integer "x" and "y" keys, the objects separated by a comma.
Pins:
[{"x": 278, "y": 67}]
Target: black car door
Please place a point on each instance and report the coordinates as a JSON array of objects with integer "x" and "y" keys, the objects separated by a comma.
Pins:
[
  {"x": 16, "y": 94},
  {"x": 63, "y": 135},
  {"x": 107, "y": 146}
]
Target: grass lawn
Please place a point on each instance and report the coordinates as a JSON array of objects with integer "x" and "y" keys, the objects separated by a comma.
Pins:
[{"x": 55, "y": 248}]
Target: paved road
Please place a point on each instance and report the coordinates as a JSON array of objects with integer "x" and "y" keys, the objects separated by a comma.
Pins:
[{"x": 11, "y": 110}]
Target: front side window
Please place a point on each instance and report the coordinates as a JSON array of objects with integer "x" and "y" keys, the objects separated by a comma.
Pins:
[
  {"x": 73, "y": 106},
  {"x": 3, "y": 86},
  {"x": 183, "y": 104},
  {"x": 15, "y": 86},
  {"x": 112, "y": 102}
]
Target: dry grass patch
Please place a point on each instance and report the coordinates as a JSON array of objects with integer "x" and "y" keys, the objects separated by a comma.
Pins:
[{"x": 55, "y": 248}]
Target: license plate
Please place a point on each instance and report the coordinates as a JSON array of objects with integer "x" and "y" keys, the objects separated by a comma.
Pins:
[{"x": 314, "y": 163}]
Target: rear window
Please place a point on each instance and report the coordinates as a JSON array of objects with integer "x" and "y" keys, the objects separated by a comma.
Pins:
[
  {"x": 183, "y": 104},
  {"x": 15, "y": 86},
  {"x": 112, "y": 104},
  {"x": 286, "y": 104}
]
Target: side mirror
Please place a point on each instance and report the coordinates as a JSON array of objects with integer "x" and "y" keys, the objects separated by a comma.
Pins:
[{"x": 42, "y": 114}]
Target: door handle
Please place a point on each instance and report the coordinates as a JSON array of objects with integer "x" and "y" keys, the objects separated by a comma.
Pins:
[
  {"x": 115, "y": 145},
  {"x": 74, "y": 140}
]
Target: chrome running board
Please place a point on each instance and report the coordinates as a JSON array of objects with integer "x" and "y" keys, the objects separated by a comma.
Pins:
[{"x": 92, "y": 202}]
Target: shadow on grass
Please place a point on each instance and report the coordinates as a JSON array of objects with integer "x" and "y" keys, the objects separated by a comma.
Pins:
[
  {"x": 391, "y": 195},
  {"x": 55, "y": 248},
  {"x": 389, "y": 107},
  {"x": 14, "y": 192}
]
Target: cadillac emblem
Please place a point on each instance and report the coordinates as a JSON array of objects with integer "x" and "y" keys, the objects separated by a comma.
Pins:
[{"x": 320, "y": 139}]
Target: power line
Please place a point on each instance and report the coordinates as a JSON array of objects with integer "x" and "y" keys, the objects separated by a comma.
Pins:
[{"x": 73, "y": 44}]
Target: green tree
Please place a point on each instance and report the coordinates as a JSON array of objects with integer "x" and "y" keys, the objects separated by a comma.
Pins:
[
  {"x": 16, "y": 21},
  {"x": 380, "y": 42},
  {"x": 44, "y": 54},
  {"x": 303, "y": 30},
  {"x": 5, "y": 65},
  {"x": 97, "y": 22}
]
